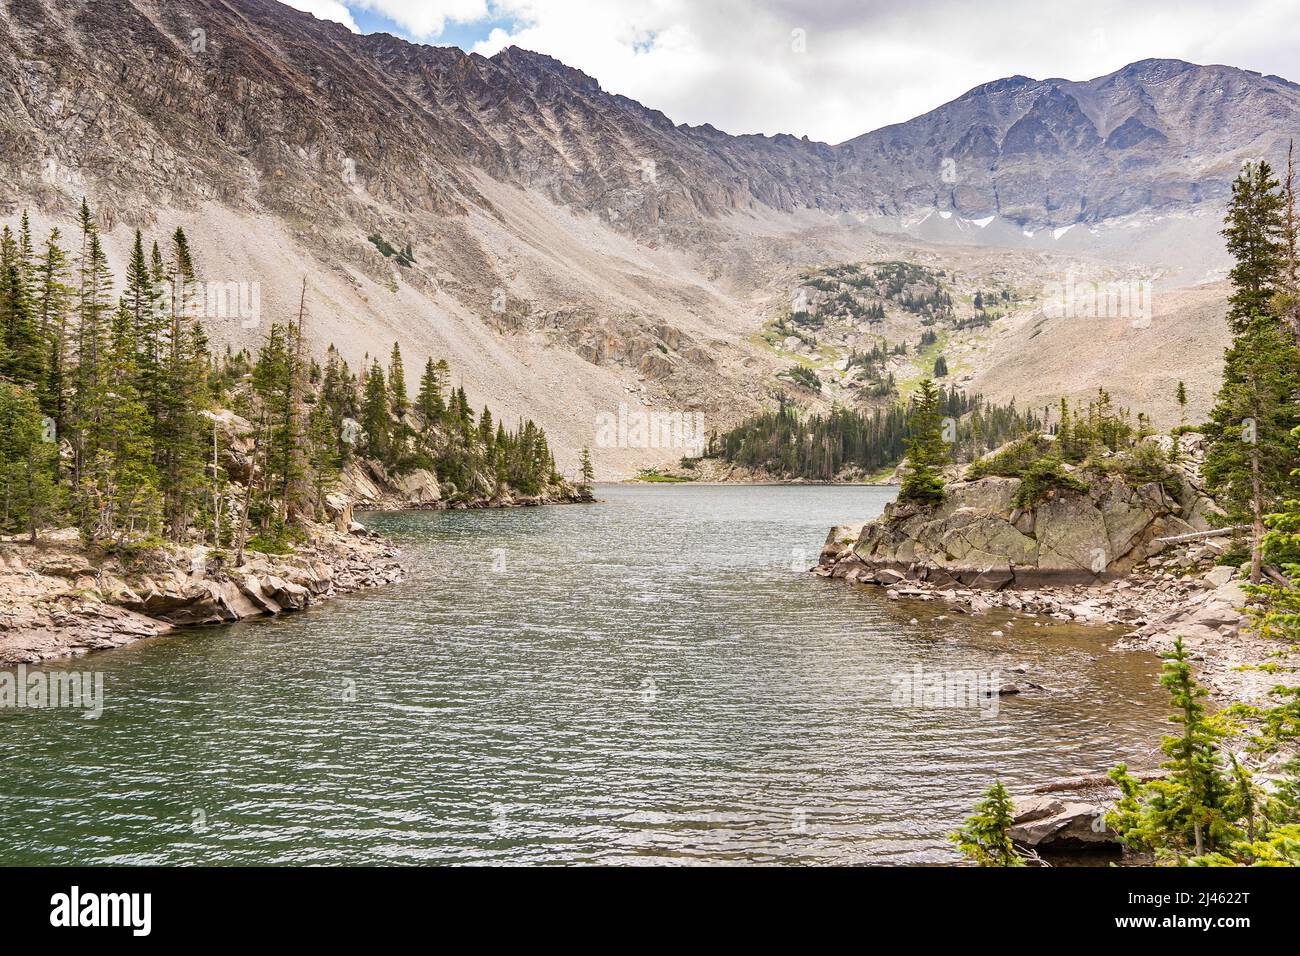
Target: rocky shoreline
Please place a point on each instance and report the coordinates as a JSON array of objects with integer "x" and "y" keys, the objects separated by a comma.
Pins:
[
  {"x": 1179, "y": 592},
  {"x": 1117, "y": 553},
  {"x": 366, "y": 485},
  {"x": 59, "y": 599},
  {"x": 1163, "y": 598}
]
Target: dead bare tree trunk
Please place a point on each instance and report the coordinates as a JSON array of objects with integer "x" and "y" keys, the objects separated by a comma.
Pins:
[
  {"x": 1291, "y": 274},
  {"x": 1257, "y": 513}
]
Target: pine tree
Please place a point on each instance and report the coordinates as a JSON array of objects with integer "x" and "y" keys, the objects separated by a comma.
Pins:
[
  {"x": 1287, "y": 300},
  {"x": 1182, "y": 403},
  {"x": 174, "y": 375},
  {"x": 323, "y": 438},
  {"x": 29, "y": 493},
  {"x": 375, "y": 418},
  {"x": 1249, "y": 458},
  {"x": 23, "y": 350},
  {"x": 927, "y": 453},
  {"x": 142, "y": 301},
  {"x": 1253, "y": 232},
  {"x": 52, "y": 294},
  {"x": 397, "y": 382},
  {"x": 940, "y": 367},
  {"x": 1194, "y": 759},
  {"x": 984, "y": 838},
  {"x": 119, "y": 492},
  {"x": 429, "y": 402},
  {"x": 588, "y": 474},
  {"x": 94, "y": 318}
]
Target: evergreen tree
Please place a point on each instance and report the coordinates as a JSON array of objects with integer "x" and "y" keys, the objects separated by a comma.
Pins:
[
  {"x": 119, "y": 488},
  {"x": 984, "y": 839},
  {"x": 588, "y": 474},
  {"x": 52, "y": 297},
  {"x": 1249, "y": 458},
  {"x": 375, "y": 415},
  {"x": 1254, "y": 237},
  {"x": 325, "y": 457},
  {"x": 94, "y": 319},
  {"x": 142, "y": 302},
  {"x": 29, "y": 494},
  {"x": 174, "y": 374},
  {"x": 1286, "y": 302},
  {"x": 397, "y": 382},
  {"x": 927, "y": 452},
  {"x": 429, "y": 403},
  {"x": 1189, "y": 811},
  {"x": 22, "y": 348}
]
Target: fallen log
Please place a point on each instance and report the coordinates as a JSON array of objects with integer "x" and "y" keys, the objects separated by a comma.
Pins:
[{"x": 1202, "y": 535}]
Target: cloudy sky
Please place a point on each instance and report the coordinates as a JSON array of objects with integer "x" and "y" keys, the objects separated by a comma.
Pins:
[{"x": 832, "y": 69}]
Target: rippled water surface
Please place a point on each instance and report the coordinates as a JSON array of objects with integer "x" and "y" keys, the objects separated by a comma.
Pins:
[{"x": 654, "y": 678}]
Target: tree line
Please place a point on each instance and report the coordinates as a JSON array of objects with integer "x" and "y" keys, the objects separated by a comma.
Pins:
[
  {"x": 819, "y": 447},
  {"x": 107, "y": 402}
]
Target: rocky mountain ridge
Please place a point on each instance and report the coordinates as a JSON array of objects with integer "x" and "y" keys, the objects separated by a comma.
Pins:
[
  {"x": 251, "y": 102},
  {"x": 573, "y": 249}
]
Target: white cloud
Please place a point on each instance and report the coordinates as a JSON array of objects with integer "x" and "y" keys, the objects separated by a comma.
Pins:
[
  {"x": 736, "y": 63},
  {"x": 425, "y": 19},
  {"x": 739, "y": 65},
  {"x": 325, "y": 10}
]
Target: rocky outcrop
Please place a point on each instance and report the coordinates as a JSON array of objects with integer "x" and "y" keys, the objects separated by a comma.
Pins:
[
  {"x": 367, "y": 484},
  {"x": 57, "y": 599},
  {"x": 978, "y": 537},
  {"x": 1046, "y": 823},
  {"x": 370, "y": 485}
]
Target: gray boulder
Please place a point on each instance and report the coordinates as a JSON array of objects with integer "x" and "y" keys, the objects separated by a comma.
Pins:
[{"x": 1042, "y": 822}]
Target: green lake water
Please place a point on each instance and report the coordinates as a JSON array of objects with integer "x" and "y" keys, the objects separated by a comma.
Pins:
[{"x": 654, "y": 678}]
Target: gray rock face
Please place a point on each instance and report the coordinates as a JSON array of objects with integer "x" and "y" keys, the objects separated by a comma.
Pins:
[
  {"x": 422, "y": 122},
  {"x": 978, "y": 538},
  {"x": 99, "y": 603},
  {"x": 1043, "y": 822}
]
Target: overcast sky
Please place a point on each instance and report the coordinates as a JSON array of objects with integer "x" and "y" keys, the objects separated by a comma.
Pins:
[{"x": 833, "y": 69}]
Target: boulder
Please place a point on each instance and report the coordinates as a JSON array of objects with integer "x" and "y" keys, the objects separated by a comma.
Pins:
[
  {"x": 339, "y": 510},
  {"x": 159, "y": 598},
  {"x": 840, "y": 539},
  {"x": 418, "y": 487},
  {"x": 1072, "y": 535},
  {"x": 1218, "y": 576},
  {"x": 889, "y": 576},
  {"x": 217, "y": 602},
  {"x": 1044, "y": 822},
  {"x": 251, "y": 585},
  {"x": 290, "y": 596},
  {"x": 64, "y": 565}
]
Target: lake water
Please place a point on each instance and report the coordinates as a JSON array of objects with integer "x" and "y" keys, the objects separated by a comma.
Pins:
[{"x": 654, "y": 679}]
